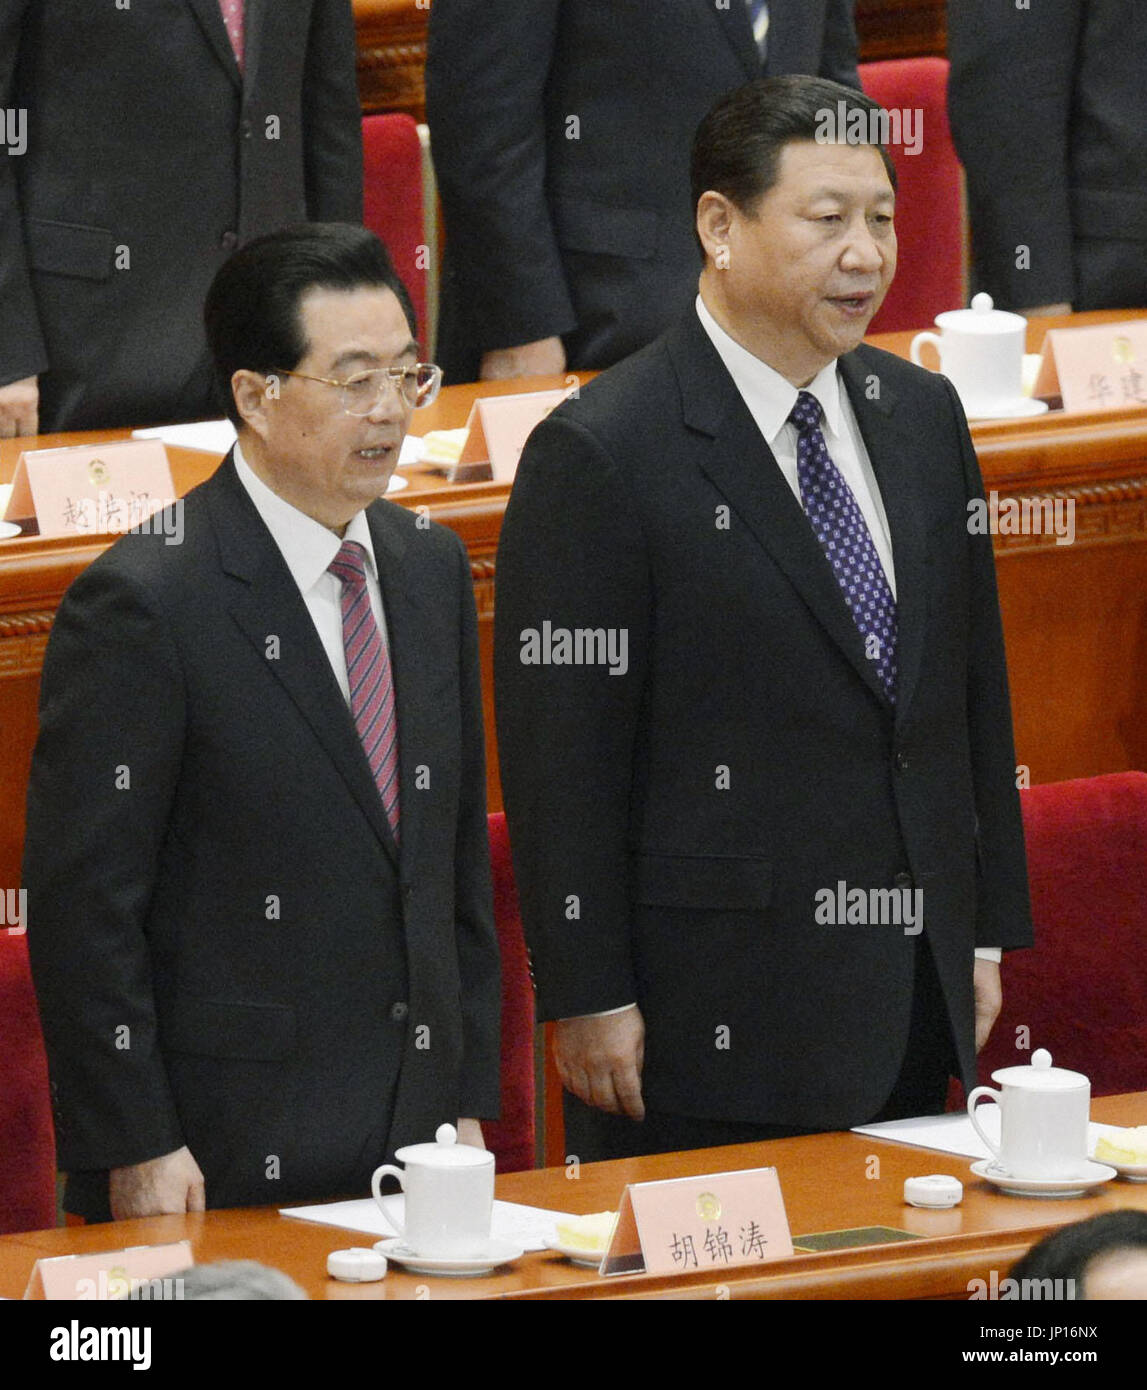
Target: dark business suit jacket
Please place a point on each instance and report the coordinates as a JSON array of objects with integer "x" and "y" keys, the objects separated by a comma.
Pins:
[
  {"x": 672, "y": 826},
  {"x": 300, "y": 996},
  {"x": 587, "y": 232},
  {"x": 1048, "y": 108},
  {"x": 149, "y": 159}
]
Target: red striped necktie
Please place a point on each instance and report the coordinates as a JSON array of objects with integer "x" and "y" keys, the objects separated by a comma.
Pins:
[{"x": 369, "y": 677}]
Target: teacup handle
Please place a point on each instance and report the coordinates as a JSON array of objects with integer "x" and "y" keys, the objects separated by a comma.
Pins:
[
  {"x": 388, "y": 1170},
  {"x": 918, "y": 342},
  {"x": 983, "y": 1093}
]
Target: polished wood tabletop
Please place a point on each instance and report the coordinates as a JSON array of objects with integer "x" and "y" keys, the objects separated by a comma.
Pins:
[{"x": 830, "y": 1182}]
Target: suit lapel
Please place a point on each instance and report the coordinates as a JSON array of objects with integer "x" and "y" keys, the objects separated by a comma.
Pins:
[
  {"x": 744, "y": 469},
  {"x": 266, "y": 603},
  {"x": 210, "y": 17},
  {"x": 895, "y": 454},
  {"x": 735, "y": 25}
]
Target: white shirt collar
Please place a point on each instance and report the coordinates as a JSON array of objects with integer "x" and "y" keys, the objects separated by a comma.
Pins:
[
  {"x": 308, "y": 547},
  {"x": 769, "y": 396}
]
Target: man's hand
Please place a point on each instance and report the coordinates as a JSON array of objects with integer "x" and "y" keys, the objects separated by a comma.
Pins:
[
  {"x": 159, "y": 1187},
  {"x": 470, "y": 1132},
  {"x": 1046, "y": 311},
  {"x": 19, "y": 408},
  {"x": 546, "y": 357},
  {"x": 599, "y": 1059},
  {"x": 989, "y": 998}
]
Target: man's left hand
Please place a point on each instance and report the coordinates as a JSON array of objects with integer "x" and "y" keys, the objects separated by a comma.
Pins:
[
  {"x": 989, "y": 998},
  {"x": 470, "y": 1132}
]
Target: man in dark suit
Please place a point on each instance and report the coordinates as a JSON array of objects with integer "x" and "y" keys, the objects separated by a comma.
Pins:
[
  {"x": 1048, "y": 105},
  {"x": 157, "y": 139},
  {"x": 753, "y": 718},
  {"x": 259, "y": 907},
  {"x": 560, "y": 143}
]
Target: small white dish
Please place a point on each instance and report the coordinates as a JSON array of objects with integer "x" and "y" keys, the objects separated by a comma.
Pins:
[
  {"x": 497, "y": 1252},
  {"x": 8, "y": 529},
  {"x": 1020, "y": 409},
  {"x": 577, "y": 1254},
  {"x": 1093, "y": 1176},
  {"x": 1133, "y": 1172}
]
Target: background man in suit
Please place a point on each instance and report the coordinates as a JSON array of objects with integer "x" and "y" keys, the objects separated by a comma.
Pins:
[
  {"x": 769, "y": 521},
  {"x": 157, "y": 138},
  {"x": 258, "y": 878},
  {"x": 560, "y": 143},
  {"x": 1048, "y": 105}
]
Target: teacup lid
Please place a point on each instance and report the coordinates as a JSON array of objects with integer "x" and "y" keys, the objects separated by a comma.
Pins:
[
  {"x": 982, "y": 317},
  {"x": 445, "y": 1152},
  {"x": 1041, "y": 1075}
]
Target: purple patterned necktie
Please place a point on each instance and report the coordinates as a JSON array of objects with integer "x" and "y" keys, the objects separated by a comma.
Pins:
[
  {"x": 846, "y": 541},
  {"x": 369, "y": 677}
]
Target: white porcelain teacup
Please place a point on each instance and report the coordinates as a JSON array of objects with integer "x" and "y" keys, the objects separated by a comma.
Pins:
[
  {"x": 982, "y": 354},
  {"x": 449, "y": 1189},
  {"x": 1043, "y": 1119}
]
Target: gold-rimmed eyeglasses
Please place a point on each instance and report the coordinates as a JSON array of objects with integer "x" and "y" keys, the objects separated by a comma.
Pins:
[{"x": 418, "y": 386}]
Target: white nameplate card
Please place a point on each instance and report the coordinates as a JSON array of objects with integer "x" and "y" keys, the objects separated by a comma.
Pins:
[
  {"x": 683, "y": 1225},
  {"x": 139, "y": 1272},
  {"x": 91, "y": 489},
  {"x": 1103, "y": 367},
  {"x": 499, "y": 427}
]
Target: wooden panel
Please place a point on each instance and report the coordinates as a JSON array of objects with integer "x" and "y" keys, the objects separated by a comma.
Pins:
[{"x": 900, "y": 28}]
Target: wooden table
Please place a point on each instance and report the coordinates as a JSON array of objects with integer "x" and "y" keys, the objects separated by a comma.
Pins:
[{"x": 829, "y": 1181}]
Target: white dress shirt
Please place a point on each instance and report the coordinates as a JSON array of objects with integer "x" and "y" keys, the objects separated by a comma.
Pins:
[{"x": 308, "y": 547}]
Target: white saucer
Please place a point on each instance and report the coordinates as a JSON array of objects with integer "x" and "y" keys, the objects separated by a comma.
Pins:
[
  {"x": 498, "y": 1252},
  {"x": 1092, "y": 1176},
  {"x": 577, "y": 1254},
  {"x": 8, "y": 529},
  {"x": 1019, "y": 409}
]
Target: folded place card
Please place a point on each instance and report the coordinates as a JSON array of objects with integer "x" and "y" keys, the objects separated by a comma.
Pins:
[
  {"x": 1103, "y": 367},
  {"x": 91, "y": 489},
  {"x": 499, "y": 427},
  {"x": 139, "y": 1272},
  {"x": 680, "y": 1225}
]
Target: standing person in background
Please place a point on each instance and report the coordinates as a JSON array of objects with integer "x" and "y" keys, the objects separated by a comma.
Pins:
[
  {"x": 560, "y": 134},
  {"x": 149, "y": 142},
  {"x": 1048, "y": 107}
]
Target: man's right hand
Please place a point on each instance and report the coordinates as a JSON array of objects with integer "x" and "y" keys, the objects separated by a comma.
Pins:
[
  {"x": 159, "y": 1187},
  {"x": 19, "y": 408},
  {"x": 546, "y": 357},
  {"x": 599, "y": 1058}
]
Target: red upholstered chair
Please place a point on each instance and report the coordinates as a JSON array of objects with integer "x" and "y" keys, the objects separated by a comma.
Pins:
[
  {"x": 511, "y": 1139},
  {"x": 929, "y": 200},
  {"x": 27, "y": 1146},
  {"x": 393, "y": 203},
  {"x": 1082, "y": 991}
]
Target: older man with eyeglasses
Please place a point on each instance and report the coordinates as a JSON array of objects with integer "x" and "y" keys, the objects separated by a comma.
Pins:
[{"x": 257, "y": 869}]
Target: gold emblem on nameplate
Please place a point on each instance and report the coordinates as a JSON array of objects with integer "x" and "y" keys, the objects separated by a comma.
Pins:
[
  {"x": 1122, "y": 349},
  {"x": 98, "y": 471},
  {"x": 708, "y": 1206}
]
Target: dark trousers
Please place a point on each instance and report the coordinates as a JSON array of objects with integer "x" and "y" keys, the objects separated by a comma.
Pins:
[{"x": 921, "y": 1089}]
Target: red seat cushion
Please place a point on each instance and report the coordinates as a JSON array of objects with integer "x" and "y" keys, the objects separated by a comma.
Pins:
[
  {"x": 27, "y": 1145},
  {"x": 392, "y": 200}
]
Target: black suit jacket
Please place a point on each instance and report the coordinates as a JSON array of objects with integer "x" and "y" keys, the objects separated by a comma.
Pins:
[
  {"x": 1048, "y": 106},
  {"x": 587, "y": 231},
  {"x": 149, "y": 159},
  {"x": 209, "y": 866},
  {"x": 672, "y": 825}
]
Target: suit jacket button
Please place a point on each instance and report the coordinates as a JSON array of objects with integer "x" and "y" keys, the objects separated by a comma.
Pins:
[
  {"x": 902, "y": 762},
  {"x": 229, "y": 240},
  {"x": 399, "y": 1011},
  {"x": 902, "y": 881}
]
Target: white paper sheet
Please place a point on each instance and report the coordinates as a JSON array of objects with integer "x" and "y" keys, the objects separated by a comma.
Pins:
[
  {"x": 529, "y": 1227},
  {"x": 953, "y": 1134}
]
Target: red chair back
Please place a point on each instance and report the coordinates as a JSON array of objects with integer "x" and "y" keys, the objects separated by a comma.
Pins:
[
  {"x": 929, "y": 199},
  {"x": 511, "y": 1139},
  {"x": 393, "y": 203},
  {"x": 27, "y": 1144}
]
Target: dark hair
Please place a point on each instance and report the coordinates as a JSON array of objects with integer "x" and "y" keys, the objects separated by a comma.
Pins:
[
  {"x": 1066, "y": 1253},
  {"x": 252, "y": 308},
  {"x": 738, "y": 145}
]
